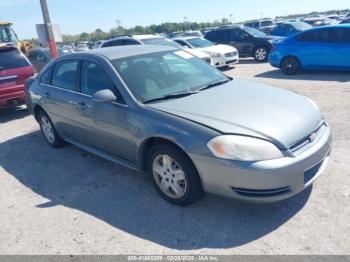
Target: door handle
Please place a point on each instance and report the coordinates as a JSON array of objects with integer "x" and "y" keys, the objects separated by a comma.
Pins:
[
  {"x": 47, "y": 95},
  {"x": 83, "y": 106},
  {"x": 79, "y": 105}
]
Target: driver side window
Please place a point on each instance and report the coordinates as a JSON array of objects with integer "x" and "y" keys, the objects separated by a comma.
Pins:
[{"x": 94, "y": 78}]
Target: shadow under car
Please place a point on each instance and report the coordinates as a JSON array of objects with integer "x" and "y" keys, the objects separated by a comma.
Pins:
[{"x": 126, "y": 200}]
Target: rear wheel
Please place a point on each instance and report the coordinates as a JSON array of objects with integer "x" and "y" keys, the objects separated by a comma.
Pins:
[
  {"x": 173, "y": 175},
  {"x": 261, "y": 53},
  {"x": 290, "y": 66},
  {"x": 48, "y": 130}
]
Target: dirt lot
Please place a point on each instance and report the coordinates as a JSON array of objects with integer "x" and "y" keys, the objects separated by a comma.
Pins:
[{"x": 69, "y": 202}]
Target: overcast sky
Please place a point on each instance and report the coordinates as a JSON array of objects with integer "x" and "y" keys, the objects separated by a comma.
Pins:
[{"x": 76, "y": 16}]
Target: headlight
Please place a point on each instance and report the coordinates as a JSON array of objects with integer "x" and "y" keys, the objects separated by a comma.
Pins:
[
  {"x": 270, "y": 41},
  {"x": 243, "y": 148},
  {"x": 214, "y": 54}
]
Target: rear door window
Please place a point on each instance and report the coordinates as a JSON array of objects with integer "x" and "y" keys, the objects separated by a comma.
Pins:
[
  {"x": 224, "y": 35},
  {"x": 11, "y": 58},
  {"x": 320, "y": 35},
  {"x": 113, "y": 43},
  {"x": 130, "y": 42},
  {"x": 340, "y": 35},
  {"x": 65, "y": 75},
  {"x": 212, "y": 36}
]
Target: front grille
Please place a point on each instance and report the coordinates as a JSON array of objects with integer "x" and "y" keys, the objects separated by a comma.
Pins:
[
  {"x": 261, "y": 192},
  {"x": 231, "y": 61},
  {"x": 207, "y": 59},
  {"x": 232, "y": 54},
  {"x": 312, "y": 172},
  {"x": 307, "y": 140}
]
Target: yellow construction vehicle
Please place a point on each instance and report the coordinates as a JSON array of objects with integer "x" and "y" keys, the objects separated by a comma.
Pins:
[{"x": 9, "y": 37}]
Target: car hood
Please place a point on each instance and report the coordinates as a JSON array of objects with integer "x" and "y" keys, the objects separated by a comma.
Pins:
[
  {"x": 197, "y": 53},
  {"x": 248, "y": 108},
  {"x": 221, "y": 49}
]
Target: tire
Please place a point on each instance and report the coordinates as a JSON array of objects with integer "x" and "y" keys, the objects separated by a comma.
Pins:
[
  {"x": 261, "y": 54},
  {"x": 290, "y": 65},
  {"x": 177, "y": 180},
  {"x": 48, "y": 131}
]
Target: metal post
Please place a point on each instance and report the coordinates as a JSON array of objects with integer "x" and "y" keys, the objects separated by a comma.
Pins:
[{"x": 49, "y": 31}]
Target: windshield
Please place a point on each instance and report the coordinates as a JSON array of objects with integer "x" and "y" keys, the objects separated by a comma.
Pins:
[
  {"x": 11, "y": 58},
  {"x": 161, "y": 41},
  {"x": 200, "y": 42},
  {"x": 7, "y": 34},
  {"x": 156, "y": 75},
  {"x": 254, "y": 32},
  {"x": 192, "y": 34}
]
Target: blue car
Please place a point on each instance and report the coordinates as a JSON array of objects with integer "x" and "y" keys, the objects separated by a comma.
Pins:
[
  {"x": 320, "y": 48},
  {"x": 290, "y": 28}
]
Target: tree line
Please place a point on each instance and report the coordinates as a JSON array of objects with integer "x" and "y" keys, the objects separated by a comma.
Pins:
[
  {"x": 99, "y": 34},
  {"x": 167, "y": 27}
]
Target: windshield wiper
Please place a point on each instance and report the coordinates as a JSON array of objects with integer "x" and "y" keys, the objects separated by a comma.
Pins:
[
  {"x": 214, "y": 84},
  {"x": 171, "y": 96}
]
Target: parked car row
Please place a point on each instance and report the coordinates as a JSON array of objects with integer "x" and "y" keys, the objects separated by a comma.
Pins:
[{"x": 217, "y": 55}]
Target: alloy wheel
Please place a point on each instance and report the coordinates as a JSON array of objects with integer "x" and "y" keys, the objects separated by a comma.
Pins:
[
  {"x": 169, "y": 176},
  {"x": 290, "y": 65},
  {"x": 47, "y": 129},
  {"x": 260, "y": 54}
]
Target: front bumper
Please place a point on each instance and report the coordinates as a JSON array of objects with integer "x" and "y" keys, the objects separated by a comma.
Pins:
[
  {"x": 224, "y": 61},
  {"x": 264, "y": 181},
  {"x": 275, "y": 59}
]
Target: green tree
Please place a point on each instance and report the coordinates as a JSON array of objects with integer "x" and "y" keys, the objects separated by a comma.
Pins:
[{"x": 84, "y": 37}]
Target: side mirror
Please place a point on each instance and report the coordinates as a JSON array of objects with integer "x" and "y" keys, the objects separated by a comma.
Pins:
[{"x": 104, "y": 96}]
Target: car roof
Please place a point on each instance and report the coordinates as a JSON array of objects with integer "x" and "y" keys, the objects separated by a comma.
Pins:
[
  {"x": 331, "y": 26},
  {"x": 116, "y": 38},
  {"x": 142, "y": 37},
  {"x": 231, "y": 27},
  {"x": 117, "y": 52},
  {"x": 294, "y": 23},
  {"x": 186, "y": 38}
]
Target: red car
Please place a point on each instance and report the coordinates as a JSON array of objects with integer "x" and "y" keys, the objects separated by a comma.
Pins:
[{"x": 14, "y": 70}]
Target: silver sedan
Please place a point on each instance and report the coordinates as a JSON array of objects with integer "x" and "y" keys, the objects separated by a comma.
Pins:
[{"x": 160, "y": 110}]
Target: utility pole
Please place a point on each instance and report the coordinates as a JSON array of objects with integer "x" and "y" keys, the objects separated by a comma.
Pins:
[
  {"x": 49, "y": 31},
  {"x": 118, "y": 25},
  {"x": 185, "y": 19}
]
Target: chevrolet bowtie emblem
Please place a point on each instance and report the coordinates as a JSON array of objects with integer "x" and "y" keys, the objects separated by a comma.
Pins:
[{"x": 312, "y": 137}]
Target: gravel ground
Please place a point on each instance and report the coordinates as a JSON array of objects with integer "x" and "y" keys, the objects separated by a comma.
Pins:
[{"x": 67, "y": 201}]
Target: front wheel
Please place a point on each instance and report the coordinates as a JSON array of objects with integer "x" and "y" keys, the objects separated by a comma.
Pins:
[
  {"x": 261, "y": 54},
  {"x": 173, "y": 175},
  {"x": 290, "y": 66}
]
